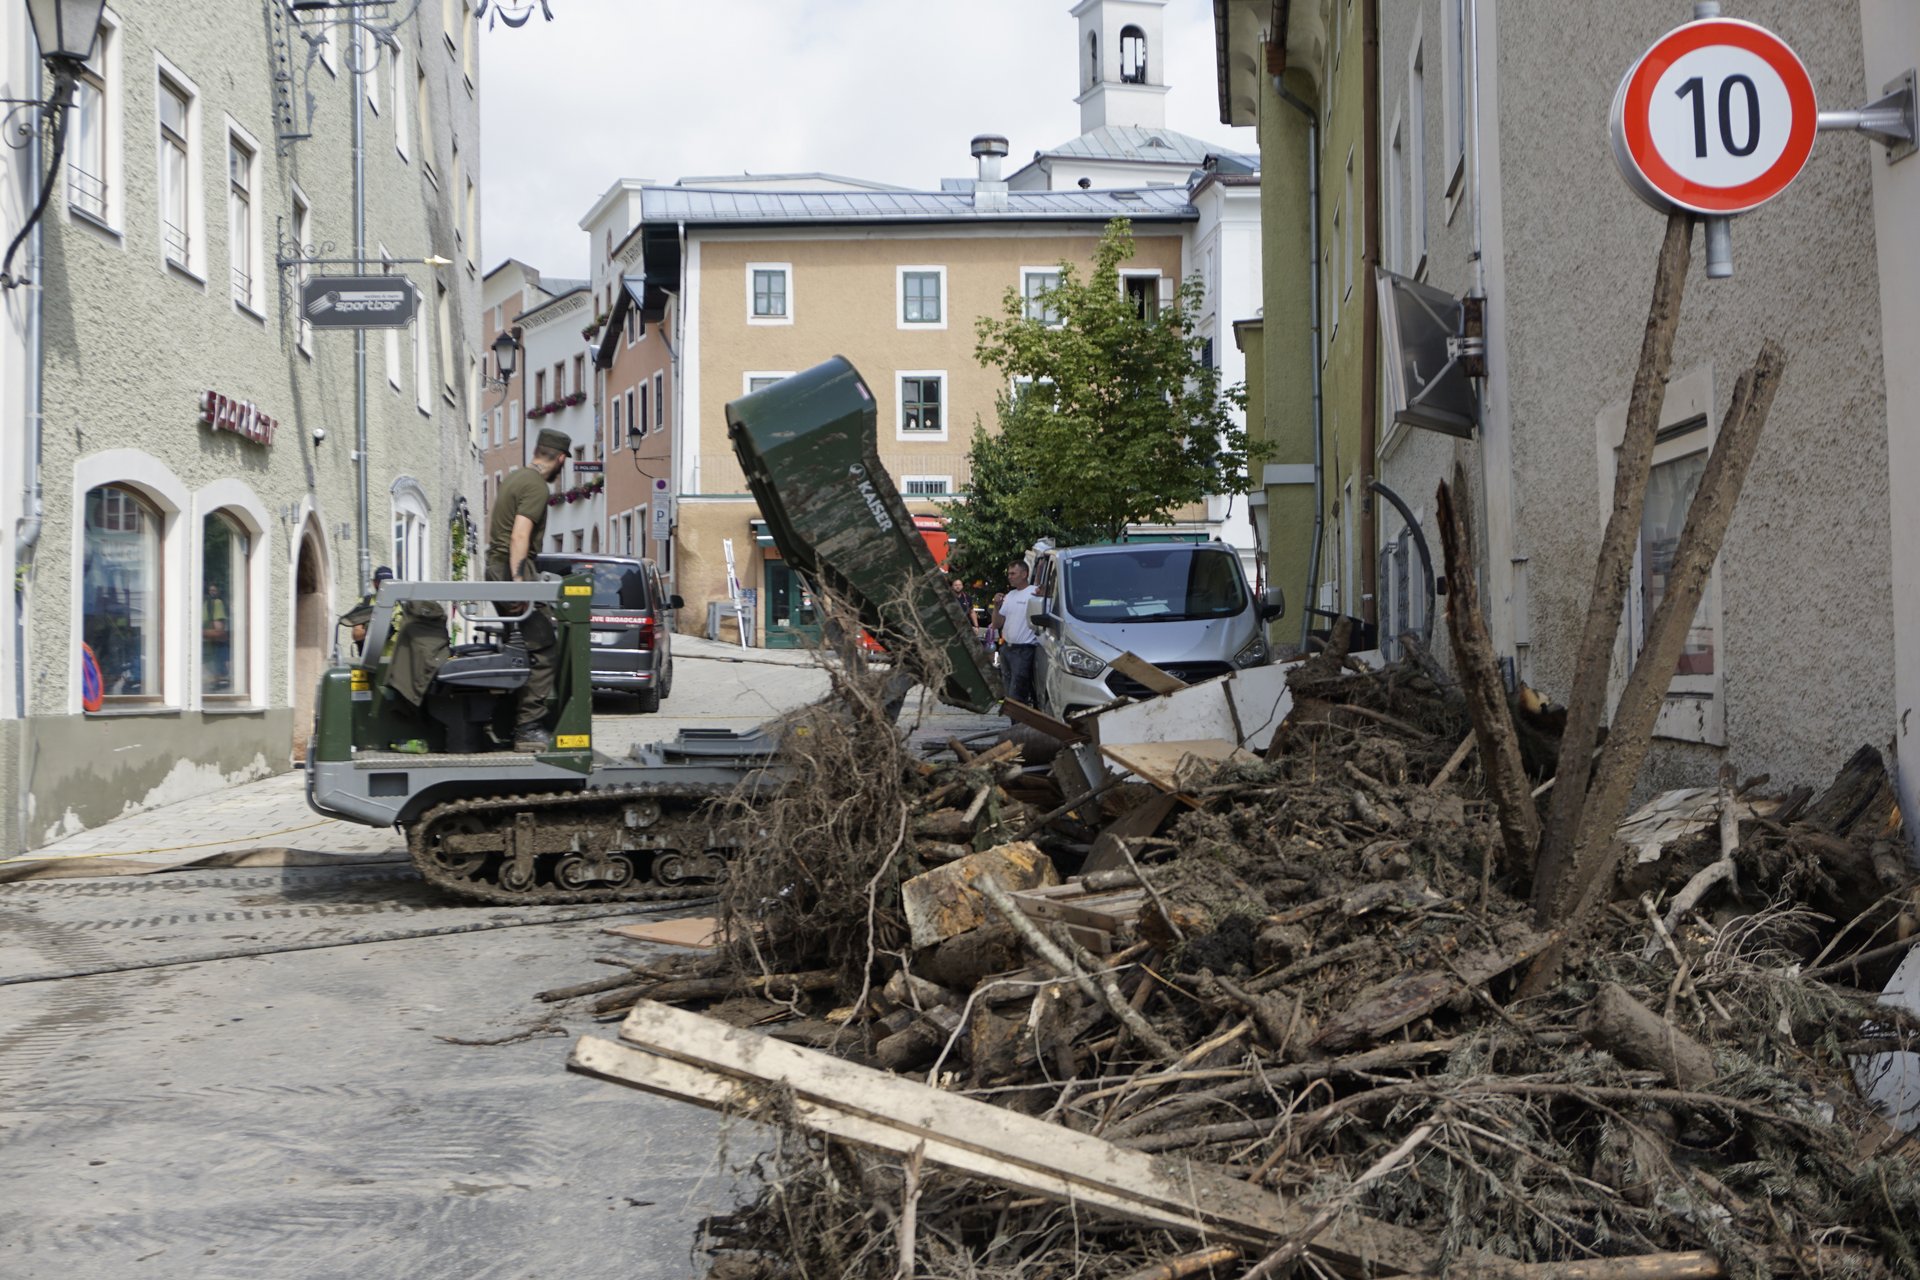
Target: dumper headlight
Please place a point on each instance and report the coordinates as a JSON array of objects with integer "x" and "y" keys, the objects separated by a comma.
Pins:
[
  {"x": 1253, "y": 655},
  {"x": 1081, "y": 663}
]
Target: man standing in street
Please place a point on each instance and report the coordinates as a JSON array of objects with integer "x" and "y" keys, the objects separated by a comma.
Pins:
[
  {"x": 1023, "y": 644},
  {"x": 515, "y": 533}
]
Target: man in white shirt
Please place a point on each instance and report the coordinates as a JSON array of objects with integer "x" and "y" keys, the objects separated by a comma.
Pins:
[{"x": 1023, "y": 643}]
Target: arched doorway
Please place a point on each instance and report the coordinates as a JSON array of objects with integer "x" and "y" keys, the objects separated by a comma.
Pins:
[{"x": 310, "y": 612}]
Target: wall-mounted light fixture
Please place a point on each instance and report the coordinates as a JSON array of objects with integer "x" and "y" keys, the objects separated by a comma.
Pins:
[{"x": 65, "y": 31}]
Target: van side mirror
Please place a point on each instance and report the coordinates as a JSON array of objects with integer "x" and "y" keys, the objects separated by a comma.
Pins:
[
  {"x": 1273, "y": 604},
  {"x": 1044, "y": 621},
  {"x": 675, "y": 602}
]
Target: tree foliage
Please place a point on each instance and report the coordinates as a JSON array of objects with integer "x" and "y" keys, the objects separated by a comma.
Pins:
[{"x": 1112, "y": 417}]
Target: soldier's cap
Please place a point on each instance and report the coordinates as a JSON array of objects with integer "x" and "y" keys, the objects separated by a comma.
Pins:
[
  {"x": 381, "y": 574},
  {"x": 554, "y": 439}
]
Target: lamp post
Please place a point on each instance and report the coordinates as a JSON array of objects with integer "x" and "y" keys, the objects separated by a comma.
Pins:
[{"x": 65, "y": 31}]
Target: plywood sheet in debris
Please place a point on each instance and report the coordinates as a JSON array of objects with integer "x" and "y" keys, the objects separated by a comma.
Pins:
[
  {"x": 1168, "y": 765},
  {"x": 688, "y": 931},
  {"x": 1672, "y": 815},
  {"x": 1243, "y": 708}
]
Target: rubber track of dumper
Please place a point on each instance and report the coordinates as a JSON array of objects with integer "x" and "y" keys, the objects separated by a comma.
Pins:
[{"x": 561, "y": 804}]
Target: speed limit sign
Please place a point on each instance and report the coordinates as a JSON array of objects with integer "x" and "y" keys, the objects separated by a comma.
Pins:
[{"x": 1718, "y": 117}]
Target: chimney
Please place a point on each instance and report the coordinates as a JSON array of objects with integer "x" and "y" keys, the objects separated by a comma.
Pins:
[{"x": 990, "y": 189}]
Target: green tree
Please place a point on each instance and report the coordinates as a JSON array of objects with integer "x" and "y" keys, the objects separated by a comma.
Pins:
[
  {"x": 995, "y": 525},
  {"x": 1113, "y": 416}
]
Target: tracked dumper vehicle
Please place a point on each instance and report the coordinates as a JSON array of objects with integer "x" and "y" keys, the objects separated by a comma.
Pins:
[{"x": 573, "y": 824}]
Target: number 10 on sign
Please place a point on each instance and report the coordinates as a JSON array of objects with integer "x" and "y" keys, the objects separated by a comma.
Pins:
[{"x": 1718, "y": 117}]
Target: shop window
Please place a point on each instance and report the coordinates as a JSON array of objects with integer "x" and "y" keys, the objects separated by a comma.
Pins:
[
  {"x": 121, "y": 616},
  {"x": 225, "y": 609}
]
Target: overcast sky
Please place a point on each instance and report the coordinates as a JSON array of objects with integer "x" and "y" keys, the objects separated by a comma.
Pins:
[{"x": 891, "y": 90}]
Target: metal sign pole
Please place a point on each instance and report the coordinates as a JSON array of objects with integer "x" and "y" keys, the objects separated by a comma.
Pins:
[{"x": 360, "y": 335}]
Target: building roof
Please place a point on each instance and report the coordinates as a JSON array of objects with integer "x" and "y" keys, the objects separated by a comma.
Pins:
[
  {"x": 676, "y": 204},
  {"x": 1135, "y": 145},
  {"x": 561, "y": 291},
  {"x": 824, "y": 181}
]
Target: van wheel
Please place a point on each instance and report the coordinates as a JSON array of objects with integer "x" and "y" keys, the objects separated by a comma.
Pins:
[{"x": 649, "y": 700}]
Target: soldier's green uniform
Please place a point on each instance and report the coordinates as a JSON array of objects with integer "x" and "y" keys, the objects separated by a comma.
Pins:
[{"x": 524, "y": 493}]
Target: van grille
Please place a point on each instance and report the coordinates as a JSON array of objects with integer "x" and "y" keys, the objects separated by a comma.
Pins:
[{"x": 1192, "y": 672}]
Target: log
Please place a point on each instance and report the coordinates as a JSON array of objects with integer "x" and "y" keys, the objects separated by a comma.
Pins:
[
  {"x": 1480, "y": 680},
  {"x": 1708, "y": 515},
  {"x": 1694, "y": 1265},
  {"x": 1637, "y": 1036},
  {"x": 776, "y": 984},
  {"x": 1553, "y": 890},
  {"x": 962, "y": 963},
  {"x": 1187, "y": 1264}
]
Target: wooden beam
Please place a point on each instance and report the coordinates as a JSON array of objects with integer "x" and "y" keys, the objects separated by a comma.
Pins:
[
  {"x": 1553, "y": 888},
  {"x": 897, "y": 1114}
]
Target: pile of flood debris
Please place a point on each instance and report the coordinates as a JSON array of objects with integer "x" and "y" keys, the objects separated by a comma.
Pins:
[{"x": 1233, "y": 981}]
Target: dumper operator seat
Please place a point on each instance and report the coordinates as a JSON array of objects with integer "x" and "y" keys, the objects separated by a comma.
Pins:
[{"x": 465, "y": 693}]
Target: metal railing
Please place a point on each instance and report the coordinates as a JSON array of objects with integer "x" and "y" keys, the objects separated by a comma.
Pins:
[
  {"x": 242, "y": 287},
  {"x": 176, "y": 243},
  {"x": 86, "y": 192}
]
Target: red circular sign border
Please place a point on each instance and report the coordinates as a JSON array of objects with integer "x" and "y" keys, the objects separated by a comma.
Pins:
[{"x": 1763, "y": 44}]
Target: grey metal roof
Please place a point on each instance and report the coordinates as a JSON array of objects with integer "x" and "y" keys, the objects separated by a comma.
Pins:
[
  {"x": 674, "y": 204},
  {"x": 558, "y": 286},
  {"x": 1143, "y": 146}
]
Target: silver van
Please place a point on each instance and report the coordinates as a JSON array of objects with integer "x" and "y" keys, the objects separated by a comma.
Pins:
[{"x": 1184, "y": 607}]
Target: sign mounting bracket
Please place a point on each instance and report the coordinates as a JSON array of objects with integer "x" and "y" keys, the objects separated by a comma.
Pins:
[{"x": 1888, "y": 119}]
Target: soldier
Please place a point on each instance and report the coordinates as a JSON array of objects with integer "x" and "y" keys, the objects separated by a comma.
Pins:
[{"x": 515, "y": 532}]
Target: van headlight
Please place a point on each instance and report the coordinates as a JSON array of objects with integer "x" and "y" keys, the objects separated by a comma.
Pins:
[
  {"x": 1081, "y": 663},
  {"x": 1253, "y": 655}
]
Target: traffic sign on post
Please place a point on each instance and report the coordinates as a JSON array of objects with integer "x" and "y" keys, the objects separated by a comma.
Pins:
[{"x": 1717, "y": 118}]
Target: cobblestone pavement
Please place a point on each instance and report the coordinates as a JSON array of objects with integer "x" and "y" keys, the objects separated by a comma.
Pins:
[{"x": 249, "y": 1072}]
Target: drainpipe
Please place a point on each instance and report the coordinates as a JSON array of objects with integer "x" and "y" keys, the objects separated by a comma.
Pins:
[
  {"x": 1313, "y": 361},
  {"x": 28, "y": 535},
  {"x": 360, "y": 335},
  {"x": 1369, "y": 309}
]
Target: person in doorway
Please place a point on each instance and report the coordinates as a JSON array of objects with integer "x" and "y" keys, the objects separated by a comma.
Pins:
[
  {"x": 1022, "y": 642},
  {"x": 516, "y": 530}
]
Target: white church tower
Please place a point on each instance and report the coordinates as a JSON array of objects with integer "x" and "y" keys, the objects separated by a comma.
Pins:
[{"x": 1123, "y": 78}]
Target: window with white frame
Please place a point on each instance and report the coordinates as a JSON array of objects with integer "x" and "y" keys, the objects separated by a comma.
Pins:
[
  {"x": 760, "y": 379},
  {"x": 659, "y": 402},
  {"x": 1346, "y": 265},
  {"x": 458, "y": 174},
  {"x": 618, "y": 435},
  {"x": 1416, "y": 158},
  {"x": 769, "y": 293},
  {"x": 1036, "y": 284},
  {"x": 634, "y": 424},
  {"x": 122, "y": 603},
  {"x": 423, "y": 116},
  {"x": 466, "y": 42},
  {"x": 1143, "y": 290},
  {"x": 179, "y": 148},
  {"x": 513, "y": 420},
  {"x": 922, "y": 297},
  {"x": 392, "y": 336},
  {"x": 1694, "y": 709},
  {"x": 926, "y": 486},
  {"x": 443, "y": 325},
  {"x": 921, "y": 395},
  {"x": 422, "y": 371},
  {"x": 499, "y": 423},
  {"x": 226, "y": 607},
  {"x": 1396, "y": 191},
  {"x": 1453, "y": 93},
  {"x": 366, "y": 59},
  {"x": 243, "y": 222},
  {"x": 93, "y": 132},
  {"x": 302, "y": 237},
  {"x": 473, "y": 224},
  {"x": 402, "y": 87}
]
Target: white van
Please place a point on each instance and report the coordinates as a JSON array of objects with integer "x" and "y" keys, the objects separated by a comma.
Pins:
[{"x": 1184, "y": 607}]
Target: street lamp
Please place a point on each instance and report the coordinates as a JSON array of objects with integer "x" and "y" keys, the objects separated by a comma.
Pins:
[
  {"x": 65, "y": 31},
  {"x": 506, "y": 350}
]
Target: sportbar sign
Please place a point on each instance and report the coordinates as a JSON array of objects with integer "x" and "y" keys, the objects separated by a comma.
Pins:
[{"x": 357, "y": 302}]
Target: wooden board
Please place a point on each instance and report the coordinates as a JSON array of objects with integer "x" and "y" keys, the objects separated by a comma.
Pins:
[
  {"x": 1111, "y": 910},
  {"x": 1244, "y": 707},
  {"x": 1159, "y": 762},
  {"x": 1143, "y": 819},
  {"x": 1028, "y": 1152},
  {"x": 1033, "y": 718},
  {"x": 688, "y": 931},
  {"x": 1143, "y": 672}
]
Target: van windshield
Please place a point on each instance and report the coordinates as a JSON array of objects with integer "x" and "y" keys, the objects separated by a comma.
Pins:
[{"x": 1154, "y": 584}]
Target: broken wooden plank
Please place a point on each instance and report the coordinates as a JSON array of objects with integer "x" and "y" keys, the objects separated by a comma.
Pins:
[
  {"x": 942, "y": 903},
  {"x": 1242, "y": 707},
  {"x": 1143, "y": 819},
  {"x": 1140, "y": 671},
  {"x": 1029, "y": 1153},
  {"x": 1072, "y": 903},
  {"x": 1167, "y": 765},
  {"x": 1034, "y": 718},
  {"x": 1391, "y": 1005}
]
